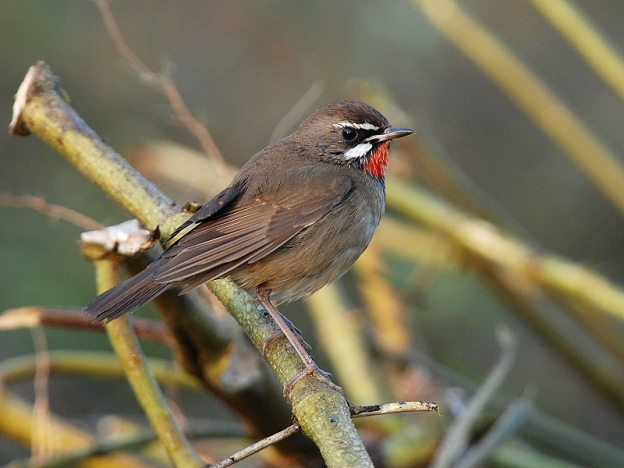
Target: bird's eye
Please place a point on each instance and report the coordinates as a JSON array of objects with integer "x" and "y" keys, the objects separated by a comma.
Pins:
[{"x": 349, "y": 133}]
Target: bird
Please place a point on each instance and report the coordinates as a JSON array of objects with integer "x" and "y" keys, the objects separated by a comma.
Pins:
[{"x": 296, "y": 216}]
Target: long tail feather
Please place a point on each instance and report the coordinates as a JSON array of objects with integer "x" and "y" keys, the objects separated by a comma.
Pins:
[{"x": 125, "y": 297}]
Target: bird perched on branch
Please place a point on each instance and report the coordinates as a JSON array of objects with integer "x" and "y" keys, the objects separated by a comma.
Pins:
[{"x": 295, "y": 218}]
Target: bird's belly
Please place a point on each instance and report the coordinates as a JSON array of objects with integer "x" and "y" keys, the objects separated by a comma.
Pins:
[{"x": 315, "y": 257}]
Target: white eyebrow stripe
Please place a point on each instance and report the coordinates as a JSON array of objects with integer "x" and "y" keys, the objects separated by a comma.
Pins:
[
  {"x": 358, "y": 151},
  {"x": 362, "y": 126}
]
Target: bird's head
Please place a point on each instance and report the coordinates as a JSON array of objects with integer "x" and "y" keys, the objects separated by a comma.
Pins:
[{"x": 350, "y": 132}]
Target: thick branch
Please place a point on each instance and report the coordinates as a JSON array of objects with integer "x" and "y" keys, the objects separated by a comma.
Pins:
[{"x": 40, "y": 109}]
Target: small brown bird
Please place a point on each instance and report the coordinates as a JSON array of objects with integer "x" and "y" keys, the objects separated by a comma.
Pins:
[{"x": 295, "y": 218}]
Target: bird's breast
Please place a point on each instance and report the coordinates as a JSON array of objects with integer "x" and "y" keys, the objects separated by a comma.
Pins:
[{"x": 320, "y": 253}]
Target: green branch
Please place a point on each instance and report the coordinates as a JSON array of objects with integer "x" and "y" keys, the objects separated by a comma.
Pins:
[{"x": 142, "y": 379}]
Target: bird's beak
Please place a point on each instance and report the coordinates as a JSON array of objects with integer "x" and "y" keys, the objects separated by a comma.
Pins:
[{"x": 390, "y": 134}]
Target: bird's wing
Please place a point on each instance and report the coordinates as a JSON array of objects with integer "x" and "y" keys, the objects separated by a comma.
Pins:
[
  {"x": 220, "y": 202},
  {"x": 247, "y": 232}
]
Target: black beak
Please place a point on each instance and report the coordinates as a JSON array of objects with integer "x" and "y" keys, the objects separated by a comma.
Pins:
[{"x": 390, "y": 134}]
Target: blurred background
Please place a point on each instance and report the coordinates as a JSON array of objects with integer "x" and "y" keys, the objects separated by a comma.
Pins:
[{"x": 241, "y": 66}]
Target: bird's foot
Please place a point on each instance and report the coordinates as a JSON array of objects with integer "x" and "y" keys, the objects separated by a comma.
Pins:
[
  {"x": 317, "y": 373},
  {"x": 278, "y": 334}
]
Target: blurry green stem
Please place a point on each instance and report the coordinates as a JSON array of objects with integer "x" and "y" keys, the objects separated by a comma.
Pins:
[
  {"x": 489, "y": 243},
  {"x": 95, "y": 364},
  {"x": 18, "y": 420},
  {"x": 506, "y": 426},
  {"x": 517, "y": 455},
  {"x": 530, "y": 94},
  {"x": 142, "y": 380},
  {"x": 515, "y": 269},
  {"x": 586, "y": 39}
]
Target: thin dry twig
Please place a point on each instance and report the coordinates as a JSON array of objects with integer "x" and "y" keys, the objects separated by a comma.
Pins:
[
  {"x": 356, "y": 412},
  {"x": 396, "y": 407},
  {"x": 298, "y": 110},
  {"x": 162, "y": 82},
  {"x": 260, "y": 445},
  {"x": 55, "y": 212},
  {"x": 456, "y": 438},
  {"x": 70, "y": 318}
]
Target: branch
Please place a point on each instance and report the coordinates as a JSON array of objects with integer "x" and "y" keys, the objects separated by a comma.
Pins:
[
  {"x": 340, "y": 334},
  {"x": 40, "y": 109},
  {"x": 18, "y": 419},
  {"x": 321, "y": 411},
  {"x": 94, "y": 364},
  {"x": 527, "y": 272},
  {"x": 163, "y": 82},
  {"x": 586, "y": 38},
  {"x": 457, "y": 437},
  {"x": 29, "y": 317},
  {"x": 136, "y": 439},
  {"x": 53, "y": 211},
  {"x": 492, "y": 245},
  {"x": 583, "y": 148},
  {"x": 142, "y": 379},
  {"x": 356, "y": 412}
]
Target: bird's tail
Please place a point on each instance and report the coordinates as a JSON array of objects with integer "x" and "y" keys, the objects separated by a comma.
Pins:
[{"x": 125, "y": 297}]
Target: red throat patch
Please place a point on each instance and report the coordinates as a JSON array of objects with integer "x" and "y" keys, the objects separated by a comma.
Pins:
[{"x": 377, "y": 163}]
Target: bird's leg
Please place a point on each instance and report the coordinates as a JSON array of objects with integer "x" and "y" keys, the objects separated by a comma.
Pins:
[
  {"x": 295, "y": 340},
  {"x": 279, "y": 334}
]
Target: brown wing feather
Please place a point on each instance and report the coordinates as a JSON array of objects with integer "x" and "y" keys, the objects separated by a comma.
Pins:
[{"x": 243, "y": 234}]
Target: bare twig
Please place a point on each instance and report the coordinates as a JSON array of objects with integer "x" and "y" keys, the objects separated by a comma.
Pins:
[
  {"x": 162, "y": 82},
  {"x": 389, "y": 408},
  {"x": 28, "y": 317},
  {"x": 298, "y": 111},
  {"x": 55, "y": 212},
  {"x": 260, "y": 445},
  {"x": 506, "y": 426},
  {"x": 356, "y": 412},
  {"x": 456, "y": 438}
]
